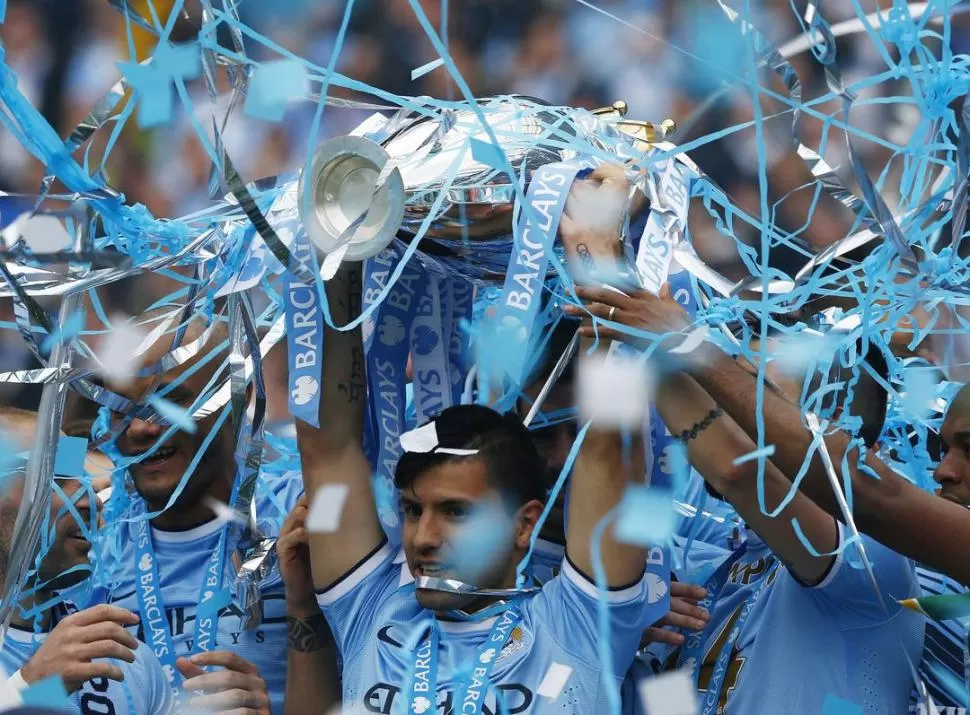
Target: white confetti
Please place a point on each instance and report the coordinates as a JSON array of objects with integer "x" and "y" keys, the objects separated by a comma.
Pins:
[
  {"x": 669, "y": 694},
  {"x": 119, "y": 352},
  {"x": 224, "y": 512},
  {"x": 45, "y": 234},
  {"x": 425, "y": 68},
  {"x": 328, "y": 504},
  {"x": 554, "y": 681},
  {"x": 613, "y": 391}
]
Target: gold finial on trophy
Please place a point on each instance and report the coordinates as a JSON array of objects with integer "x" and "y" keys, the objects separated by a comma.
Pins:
[{"x": 643, "y": 132}]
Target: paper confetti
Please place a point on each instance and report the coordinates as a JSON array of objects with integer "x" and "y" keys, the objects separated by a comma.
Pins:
[
  {"x": 70, "y": 456},
  {"x": 613, "y": 391},
  {"x": 554, "y": 681},
  {"x": 153, "y": 90},
  {"x": 486, "y": 153},
  {"x": 272, "y": 86},
  {"x": 766, "y": 451},
  {"x": 118, "y": 354},
  {"x": 47, "y": 693},
  {"x": 325, "y": 511},
  {"x": 426, "y": 68},
  {"x": 173, "y": 414},
  {"x": 646, "y": 516},
  {"x": 224, "y": 512},
  {"x": 669, "y": 694},
  {"x": 481, "y": 540}
]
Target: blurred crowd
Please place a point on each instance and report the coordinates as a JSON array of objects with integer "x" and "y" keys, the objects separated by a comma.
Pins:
[{"x": 665, "y": 59}]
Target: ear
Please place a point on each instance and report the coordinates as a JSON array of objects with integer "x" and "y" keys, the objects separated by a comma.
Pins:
[{"x": 526, "y": 519}]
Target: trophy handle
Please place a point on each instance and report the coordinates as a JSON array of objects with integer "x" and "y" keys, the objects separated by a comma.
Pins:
[
  {"x": 341, "y": 190},
  {"x": 646, "y": 132}
]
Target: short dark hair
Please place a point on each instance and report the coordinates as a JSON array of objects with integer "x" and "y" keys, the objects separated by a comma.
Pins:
[
  {"x": 502, "y": 441},
  {"x": 870, "y": 399}
]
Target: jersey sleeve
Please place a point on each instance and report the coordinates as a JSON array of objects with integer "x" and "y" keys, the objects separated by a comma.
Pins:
[
  {"x": 569, "y": 606},
  {"x": 276, "y": 496},
  {"x": 351, "y": 603},
  {"x": 847, "y": 595}
]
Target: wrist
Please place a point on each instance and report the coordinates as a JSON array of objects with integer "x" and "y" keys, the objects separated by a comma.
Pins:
[{"x": 302, "y": 608}]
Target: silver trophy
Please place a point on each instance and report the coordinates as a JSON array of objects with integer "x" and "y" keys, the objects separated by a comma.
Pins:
[{"x": 383, "y": 181}]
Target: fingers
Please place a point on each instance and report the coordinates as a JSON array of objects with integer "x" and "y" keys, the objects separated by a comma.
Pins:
[
  {"x": 187, "y": 668},
  {"x": 687, "y": 590},
  {"x": 223, "y": 680},
  {"x": 603, "y": 333},
  {"x": 296, "y": 518},
  {"x": 104, "y": 649},
  {"x": 299, "y": 536},
  {"x": 231, "y": 700},
  {"x": 103, "y": 612},
  {"x": 659, "y": 635},
  {"x": 599, "y": 310},
  {"x": 83, "y": 672},
  {"x": 680, "y": 620},
  {"x": 107, "y": 631},
  {"x": 608, "y": 172},
  {"x": 226, "y": 659},
  {"x": 608, "y": 296}
]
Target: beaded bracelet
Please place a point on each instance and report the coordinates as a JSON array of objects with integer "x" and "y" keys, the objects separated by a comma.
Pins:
[{"x": 689, "y": 434}]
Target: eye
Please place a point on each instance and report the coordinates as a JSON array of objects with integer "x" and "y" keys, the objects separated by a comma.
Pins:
[
  {"x": 456, "y": 512},
  {"x": 411, "y": 511}
]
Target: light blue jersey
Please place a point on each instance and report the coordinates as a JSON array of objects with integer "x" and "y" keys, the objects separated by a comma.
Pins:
[
  {"x": 144, "y": 691},
  {"x": 713, "y": 521},
  {"x": 943, "y": 668},
  {"x": 377, "y": 623},
  {"x": 800, "y": 644},
  {"x": 181, "y": 558}
]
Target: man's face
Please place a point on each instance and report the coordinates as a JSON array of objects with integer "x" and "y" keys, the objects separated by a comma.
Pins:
[
  {"x": 68, "y": 548},
  {"x": 456, "y": 527},
  {"x": 157, "y": 476},
  {"x": 953, "y": 473}
]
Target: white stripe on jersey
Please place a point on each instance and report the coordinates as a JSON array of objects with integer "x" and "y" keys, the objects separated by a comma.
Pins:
[{"x": 943, "y": 645}]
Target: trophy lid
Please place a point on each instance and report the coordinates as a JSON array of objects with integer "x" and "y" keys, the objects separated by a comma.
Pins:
[{"x": 345, "y": 206}]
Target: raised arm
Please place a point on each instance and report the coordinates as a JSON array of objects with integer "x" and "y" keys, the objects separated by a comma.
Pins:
[
  {"x": 717, "y": 441},
  {"x": 684, "y": 405},
  {"x": 890, "y": 509},
  {"x": 332, "y": 455},
  {"x": 604, "y": 466}
]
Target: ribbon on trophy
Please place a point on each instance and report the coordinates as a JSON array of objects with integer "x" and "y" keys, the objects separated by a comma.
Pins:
[
  {"x": 387, "y": 350},
  {"x": 533, "y": 239},
  {"x": 429, "y": 352},
  {"x": 462, "y": 298},
  {"x": 304, "y": 338}
]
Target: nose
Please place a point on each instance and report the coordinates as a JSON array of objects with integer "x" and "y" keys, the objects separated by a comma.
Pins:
[
  {"x": 427, "y": 536},
  {"x": 946, "y": 471},
  {"x": 141, "y": 431}
]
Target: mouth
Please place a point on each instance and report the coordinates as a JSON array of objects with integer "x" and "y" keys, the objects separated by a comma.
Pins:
[
  {"x": 431, "y": 570},
  {"x": 160, "y": 457},
  {"x": 77, "y": 537}
]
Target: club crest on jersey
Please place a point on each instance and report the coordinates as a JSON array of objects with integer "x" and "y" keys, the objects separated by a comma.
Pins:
[{"x": 515, "y": 644}]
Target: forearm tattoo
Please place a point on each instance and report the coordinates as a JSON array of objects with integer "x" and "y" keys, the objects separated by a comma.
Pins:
[{"x": 308, "y": 635}]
